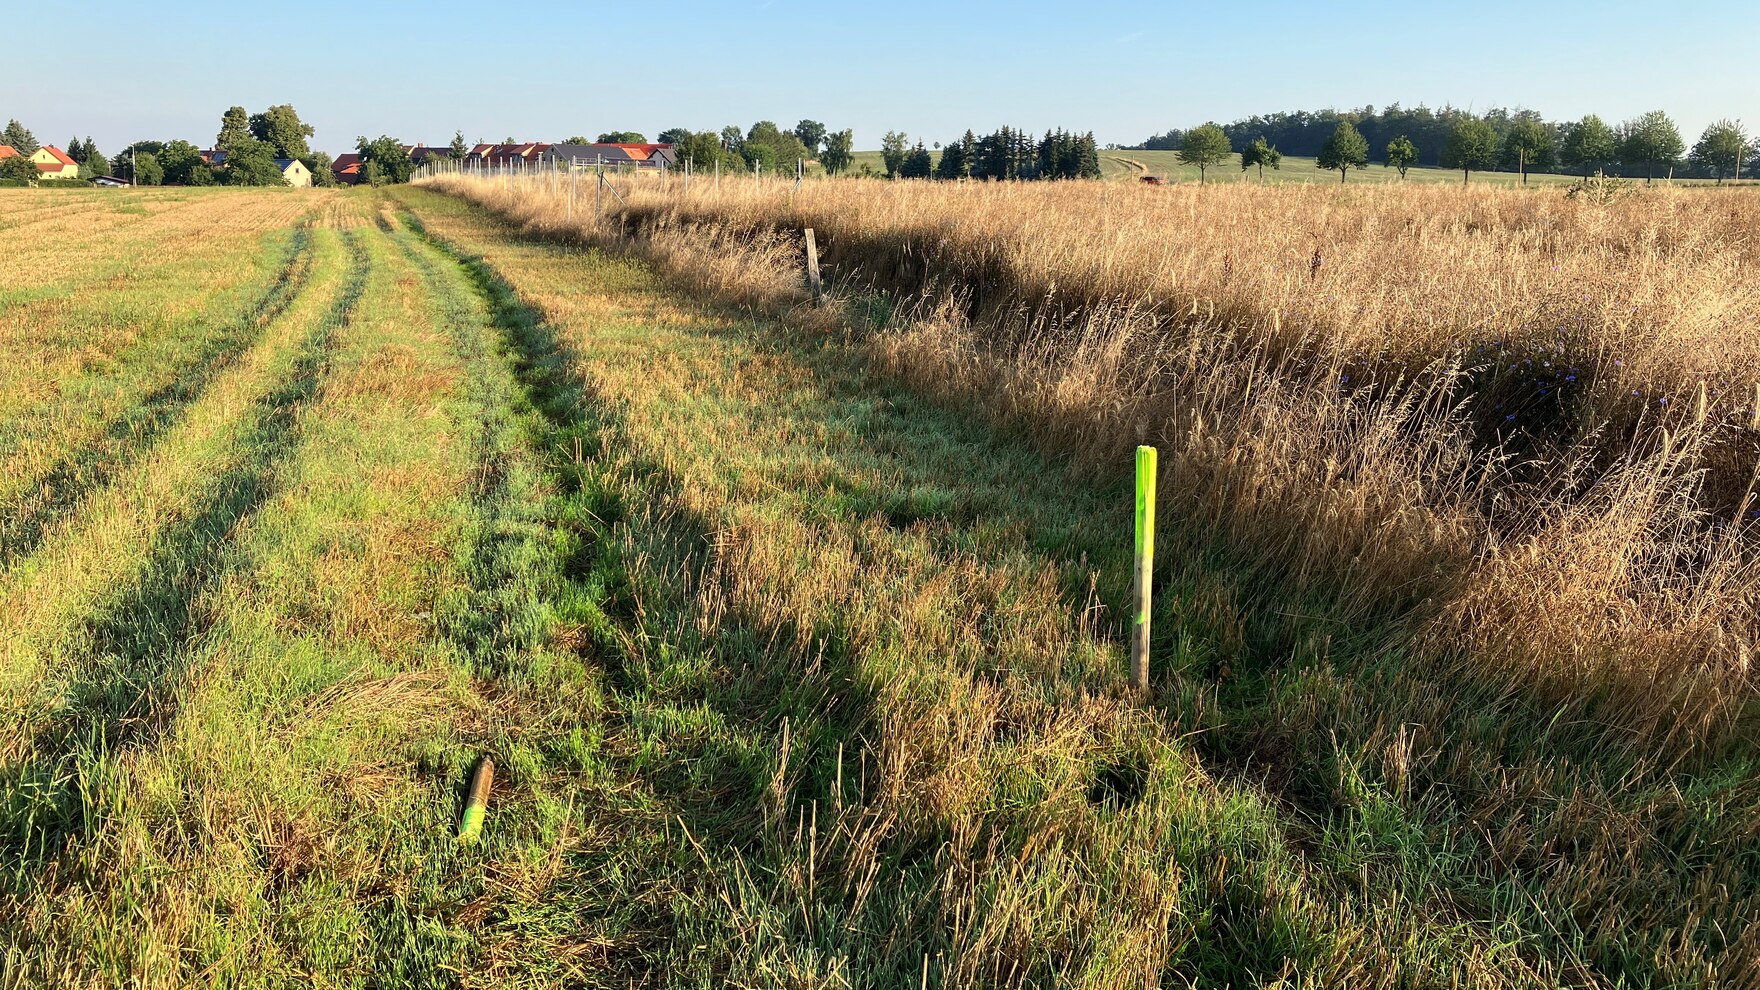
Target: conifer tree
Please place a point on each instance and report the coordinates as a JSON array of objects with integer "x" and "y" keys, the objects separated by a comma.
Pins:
[
  {"x": 953, "y": 163},
  {"x": 19, "y": 138},
  {"x": 917, "y": 164},
  {"x": 1088, "y": 157}
]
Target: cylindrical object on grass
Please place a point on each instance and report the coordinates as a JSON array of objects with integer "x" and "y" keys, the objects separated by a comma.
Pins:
[
  {"x": 471, "y": 825},
  {"x": 1145, "y": 569}
]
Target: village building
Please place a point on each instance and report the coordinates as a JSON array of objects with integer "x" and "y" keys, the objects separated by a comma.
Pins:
[
  {"x": 615, "y": 155},
  {"x": 51, "y": 162}
]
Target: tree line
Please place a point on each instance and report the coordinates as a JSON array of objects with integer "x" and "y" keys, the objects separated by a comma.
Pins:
[
  {"x": 1005, "y": 153},
  {"x": 1522, "y": 140}
]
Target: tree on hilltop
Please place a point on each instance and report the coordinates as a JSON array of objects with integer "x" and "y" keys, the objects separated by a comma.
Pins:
[
  {"x": 1260, "y": 154},
  {"x": 1402, "y": 154},
  {"x": 917, "y": 164},
  {"x": 1472, "y": 147},
  {"x": 1344, "y": 150},
  {"x": 1204, "y": 146},
  {"x": 674, "y": 136},
  {"x": 618, "y": 137}
]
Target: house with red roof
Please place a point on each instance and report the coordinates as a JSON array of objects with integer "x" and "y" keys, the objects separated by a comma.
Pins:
[
  {"x": 51, "y": 162},
  {"x": 621, "y": 155}
]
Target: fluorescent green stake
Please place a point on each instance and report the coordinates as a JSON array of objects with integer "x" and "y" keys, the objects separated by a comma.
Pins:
[
  {"x": 1145, "y": 566},
  {"x": 471, "y": 825}
]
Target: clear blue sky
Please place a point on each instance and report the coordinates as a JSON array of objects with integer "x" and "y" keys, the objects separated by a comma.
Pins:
[{"x": 543, "y": 71}]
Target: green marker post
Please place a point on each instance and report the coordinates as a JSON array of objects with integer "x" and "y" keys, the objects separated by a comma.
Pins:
[{"x": 1145, "y": 567}]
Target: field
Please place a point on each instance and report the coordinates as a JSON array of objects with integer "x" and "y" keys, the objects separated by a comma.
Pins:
[
  {"x": 796, "y": 632},
  {"x": 1129, "y": 166}
]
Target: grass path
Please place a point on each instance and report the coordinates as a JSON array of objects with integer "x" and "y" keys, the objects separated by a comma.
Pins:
[{"x": 792, "y": 674}]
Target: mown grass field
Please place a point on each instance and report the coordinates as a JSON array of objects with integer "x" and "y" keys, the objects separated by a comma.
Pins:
[{"x": 793, "y": 632}]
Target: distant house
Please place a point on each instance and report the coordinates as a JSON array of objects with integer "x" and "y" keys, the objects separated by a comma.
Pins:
[
  {"x": 294, "y": 171},
  {"x": 620, "y": 155},
  {"x": 505, "y": 155},
  {"x": 53, "y": 163},
  {"x": 347, "y": 169}
]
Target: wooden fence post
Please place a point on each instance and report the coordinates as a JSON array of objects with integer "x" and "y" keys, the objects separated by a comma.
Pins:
[
  {"x": 813, "y": 269},
  {"x": 1145, "y": 570}
]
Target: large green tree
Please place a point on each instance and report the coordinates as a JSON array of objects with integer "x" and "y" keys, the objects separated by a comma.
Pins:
[
  {"x": 893, "y": 148},
  {"x": 1258, "y": 155},
  {"x": 1722, "y": 149},
  {"x": 1650, "y": 140},
  {"x": 182, "y": 165},
  {"x": 811, "y": 134},
  {"x": 839, "y": 152},
  {"x": 675, "y": 136},
  {"x": 1528, "y": 144},
  {"x": 953, "y": 164},
  {"x": 1204, "y": 146},
  {"x": 94, "y": 164},
  {"x": 621, "y": 137},
  {"x": 251, "y": 162},
  {"x": 319, "y": 164},
  {"x": 235, "y": 125},
  {"x": 387, "y": 156},
  {"x": 1472, "y": 147},
  {"x": 18, "y": 168},
  {"x": 280, "y": 128},
  {"x": 1588, "y": 144},
  {"x": 1344, "y": 150},
  {"x": 1402, "y": 154},
  {"x": 20, "y": 138}
]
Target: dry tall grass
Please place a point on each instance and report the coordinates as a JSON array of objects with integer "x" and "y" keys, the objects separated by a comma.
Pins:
[{"x": 1521, "y": 426}]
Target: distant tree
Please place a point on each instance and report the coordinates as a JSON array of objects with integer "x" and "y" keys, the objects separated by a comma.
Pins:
[
  {"x": 1472, "y": 147},
  {"x": 1344, "y": 150},
  {"x": 892, "y": 151},
  {"x": 1169, "y": 141},
  {"x": 20, "y": 138},
  {"x": 251, "y": 162},
  {"x": 1588, "y": 144},
  {"x": 703, "y": 150},
  {"x": 784, "y": 148},
  {"x": 1722, "y": 149},
  {"x": 1087, "y": 157},
  {"x": 839, "y": 152},
  {"x": 576, "y": 139},
  {"x": 391, "y": 162},
  {"x": 181, "y": 165},
  {"x": 235, "y": 125},
  {"x": 732, "y": 137},
  {"x": 760, "y": 157},
  {"x": 1258, "y": 155},
  {"x": 375, "y": 175},
  {"x": 1651, "y": 140},
  {"x": 811, "y": 134},
  {"x": 146, "y": 170},
  {"x": 1401, "y": 154},
  {"x": 953, "y": 164},
  {"x": 917, "y": 164},
  {"x": 318, "y": 163},
  {"x": 1528, "y": 145},
  {"x": 674, "y": 136},
  {"x": 280, "y": 128},
  {"x": 95, "y": 164},
  {"x": 76, "y": 150},
  {"x": 1205, "y": 146},
  {"x": 458, "y": 148},
  {"x": 621, "y": 137},
  {"x": 18, "y": 168}
]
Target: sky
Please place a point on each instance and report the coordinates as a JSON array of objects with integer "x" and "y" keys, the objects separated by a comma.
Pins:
[{"x": 538, "y": 71}]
